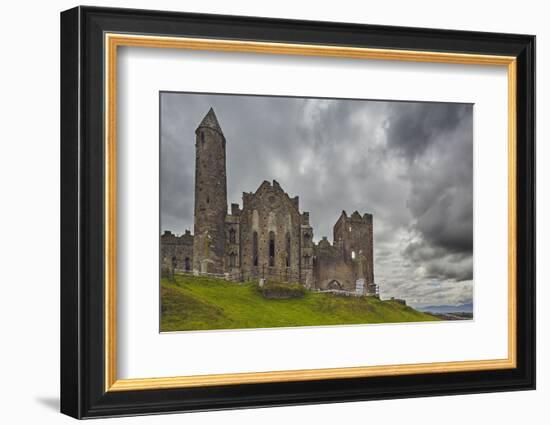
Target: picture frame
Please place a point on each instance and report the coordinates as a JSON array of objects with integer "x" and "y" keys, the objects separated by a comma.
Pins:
[{"x": 90, "y": 40}]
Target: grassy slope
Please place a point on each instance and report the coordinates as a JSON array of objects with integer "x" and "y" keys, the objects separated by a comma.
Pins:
[{"x": 199, "y": 303}]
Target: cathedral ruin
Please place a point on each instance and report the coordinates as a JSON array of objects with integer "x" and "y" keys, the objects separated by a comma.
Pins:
[{"x": 268, "y": 237}]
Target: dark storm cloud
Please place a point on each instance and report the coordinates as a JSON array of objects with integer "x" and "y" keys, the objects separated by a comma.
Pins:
[
  {"x": 440, "y": 263},
  {"x": 414, "y": 127},
  {"x": 409, "y": 164},
  {"x": 438, "y": 149}
]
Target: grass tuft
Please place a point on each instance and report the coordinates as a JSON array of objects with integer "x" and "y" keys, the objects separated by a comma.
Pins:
[{"x": 277, "y": 290}]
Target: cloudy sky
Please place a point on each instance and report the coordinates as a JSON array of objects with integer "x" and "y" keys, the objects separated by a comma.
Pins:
[{"x": 407, "y": 163}]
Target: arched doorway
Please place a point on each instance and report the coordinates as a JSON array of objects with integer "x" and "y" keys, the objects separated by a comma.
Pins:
[
  {"x": 207, "y": 266},
  {"x": 335, "y": 285}
]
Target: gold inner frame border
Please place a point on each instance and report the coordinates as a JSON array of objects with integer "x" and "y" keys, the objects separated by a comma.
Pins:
[{"x": 113, "y": 40}]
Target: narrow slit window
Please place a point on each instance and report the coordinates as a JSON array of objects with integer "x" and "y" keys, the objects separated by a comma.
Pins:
[
  {"x": 255, "y": 249},
  {"x": 288, "y": 250},
  {"x": 271, "y": 249}
]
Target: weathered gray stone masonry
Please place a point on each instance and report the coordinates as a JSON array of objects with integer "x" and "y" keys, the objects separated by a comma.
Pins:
[{"x": 268, "y": 237}]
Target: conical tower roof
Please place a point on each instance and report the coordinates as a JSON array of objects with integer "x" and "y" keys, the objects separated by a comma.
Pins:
[{"x": 211, "y": 121}]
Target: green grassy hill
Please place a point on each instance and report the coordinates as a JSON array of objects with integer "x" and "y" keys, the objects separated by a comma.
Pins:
[{"x": 201, "y": 303}]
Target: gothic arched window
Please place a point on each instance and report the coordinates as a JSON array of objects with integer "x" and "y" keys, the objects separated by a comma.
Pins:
[
  {"x": 232, "y": 260},
  {"x": 231, "y": 235},
  {"x": 271, "y": 249},
  {"x": 255, "y": 249},
  {"x": 187, "y": 264}
]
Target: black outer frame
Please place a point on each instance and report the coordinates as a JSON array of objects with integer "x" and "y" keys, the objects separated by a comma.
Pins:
[{"x": 82, "y": 206}]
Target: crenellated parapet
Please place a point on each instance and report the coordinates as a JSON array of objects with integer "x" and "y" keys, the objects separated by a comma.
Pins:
[
  {"x": 169, "y": 238},
  {"x": 177, "y": 250}
]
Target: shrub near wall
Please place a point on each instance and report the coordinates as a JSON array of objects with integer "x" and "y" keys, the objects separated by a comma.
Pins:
[{"x": 281, "y": 291}]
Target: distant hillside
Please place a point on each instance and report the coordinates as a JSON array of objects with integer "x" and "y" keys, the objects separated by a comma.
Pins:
[
  {"x": 462, "y": 308},
  {"x": 201, "y": 303}
]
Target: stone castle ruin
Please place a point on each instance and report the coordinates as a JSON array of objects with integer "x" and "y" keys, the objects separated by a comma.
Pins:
[{"x": 268, "y": 237}]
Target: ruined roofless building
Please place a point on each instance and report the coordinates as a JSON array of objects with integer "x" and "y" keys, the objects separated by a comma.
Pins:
[{"x": 268, "y": 237}]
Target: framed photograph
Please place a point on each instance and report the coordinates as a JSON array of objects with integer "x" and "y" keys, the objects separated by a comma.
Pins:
[{"x": 261, "y": 212}]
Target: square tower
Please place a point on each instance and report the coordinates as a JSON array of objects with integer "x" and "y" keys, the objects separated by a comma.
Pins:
[{"x": 354, "y": 238}]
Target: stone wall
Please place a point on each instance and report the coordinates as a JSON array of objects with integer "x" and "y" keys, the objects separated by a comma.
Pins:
[
  {"x": 270, "y": 227},
  {"x": 233, "y": 242},
  {"x": 307, "y": 253},
  {"x": 332, "y": 271},
  {"x": 177, "y": 250}
]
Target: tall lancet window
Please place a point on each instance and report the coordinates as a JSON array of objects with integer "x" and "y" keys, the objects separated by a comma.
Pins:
[
  {"x": 255, "y": 249},
  {"x": 271, "y": 249},
  {"x": 288, "y": 249},
  {"x": 307, "y": 239}
]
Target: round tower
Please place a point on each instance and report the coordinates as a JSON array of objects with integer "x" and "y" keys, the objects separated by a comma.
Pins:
[{"x": 210, "y": 196}]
